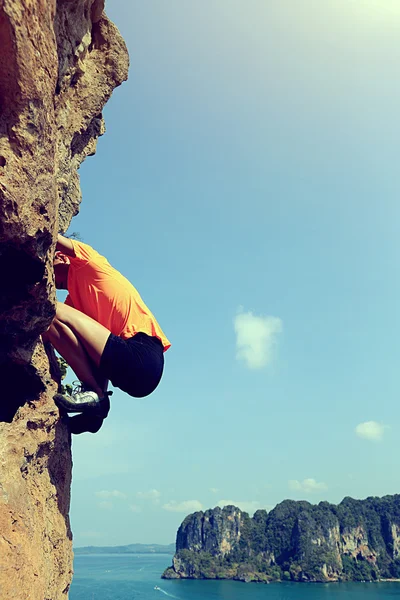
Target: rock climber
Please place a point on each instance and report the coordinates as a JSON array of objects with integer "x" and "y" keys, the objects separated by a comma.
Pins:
[{"x": 104, "y": 331}]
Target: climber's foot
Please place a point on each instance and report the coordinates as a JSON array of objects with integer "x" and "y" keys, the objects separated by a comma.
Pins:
[
  {"x": 84, "y": 423},
  {"x": 84, "y": 401}
]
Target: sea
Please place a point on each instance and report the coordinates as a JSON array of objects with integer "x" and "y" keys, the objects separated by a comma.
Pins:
[{"x": 137, "y": 577}]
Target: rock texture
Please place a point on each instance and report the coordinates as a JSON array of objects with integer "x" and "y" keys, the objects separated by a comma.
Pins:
[
  {"x": 59, "y": 63},
  {"x": 356, "y": 540},
  {"x": 215, "y": 531}
]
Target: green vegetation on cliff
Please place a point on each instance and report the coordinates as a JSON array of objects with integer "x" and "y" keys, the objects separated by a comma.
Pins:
[{"x": 358, "y": 540}]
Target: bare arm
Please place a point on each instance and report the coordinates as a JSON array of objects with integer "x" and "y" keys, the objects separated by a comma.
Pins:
[{"x": 65, "y": 245}]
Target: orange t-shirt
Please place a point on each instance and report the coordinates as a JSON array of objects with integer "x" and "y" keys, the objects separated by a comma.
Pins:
[{"x": 101, "y": 292}]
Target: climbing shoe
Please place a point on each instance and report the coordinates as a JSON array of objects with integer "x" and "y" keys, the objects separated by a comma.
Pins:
[{"x": 84, "y": 400}]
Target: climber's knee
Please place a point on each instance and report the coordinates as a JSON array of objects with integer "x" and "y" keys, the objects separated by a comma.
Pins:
[
  {"x": 46, "y": 335},
  {"x": 68, "y": 315},
  {"x": 53, "y": 331}
]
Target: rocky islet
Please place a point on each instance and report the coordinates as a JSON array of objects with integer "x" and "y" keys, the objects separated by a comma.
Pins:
[{"x": 356, "y": 540}]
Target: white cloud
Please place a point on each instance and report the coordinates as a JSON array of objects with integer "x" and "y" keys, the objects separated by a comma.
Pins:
[
  {"x": 249, "y": 506},
  {"x": 111, "y": 494},
  {"x": 255, "y": 338},
  {"x": 187, "y": 506},
  {"x": 370, "y": 430},
  {"x": 214, "y": 490},
  {"x": 135, "y": 508},
  {"x": 309, "y": 486},
  {"x": 153, "y": 495},
  {"x": 105, "y": 505}
]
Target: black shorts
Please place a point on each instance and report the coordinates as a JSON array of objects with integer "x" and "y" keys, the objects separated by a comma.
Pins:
[{"x": 134, "y": 365}]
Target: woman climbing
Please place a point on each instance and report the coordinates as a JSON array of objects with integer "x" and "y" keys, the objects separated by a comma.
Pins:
[{"x": 104, "y": 331}]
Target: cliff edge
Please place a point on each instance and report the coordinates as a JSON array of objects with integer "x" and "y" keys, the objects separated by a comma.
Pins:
[{"x": 59, "y": 63}]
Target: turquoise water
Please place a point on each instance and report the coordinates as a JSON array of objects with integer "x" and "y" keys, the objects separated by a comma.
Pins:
[{"x": 133, "y": 577}]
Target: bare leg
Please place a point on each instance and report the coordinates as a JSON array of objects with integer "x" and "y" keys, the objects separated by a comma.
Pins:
[
  {"x": 91, "y": 334},
  {"x": 80, "y": 340},
  {"x": 67, "y": 344}
]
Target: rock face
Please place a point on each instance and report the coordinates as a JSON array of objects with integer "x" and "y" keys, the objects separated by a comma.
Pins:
[
  {"x": 215, "y": 531},
  {"x": 356, "y": 540},
  {"x": 59, "y": 63}
]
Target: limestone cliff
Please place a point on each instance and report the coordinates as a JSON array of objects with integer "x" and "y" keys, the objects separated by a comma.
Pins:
[
  {"x": 59, "y": 63},
  {"x": 356, "y": 540}
]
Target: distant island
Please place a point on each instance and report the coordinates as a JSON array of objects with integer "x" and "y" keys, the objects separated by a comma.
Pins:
[
  {"x": 129, "y": 549},
  {"x": 357, "y": 540}
]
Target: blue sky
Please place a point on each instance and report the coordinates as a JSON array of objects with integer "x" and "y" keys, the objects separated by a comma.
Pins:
[{"x": 248, "y": 186}]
